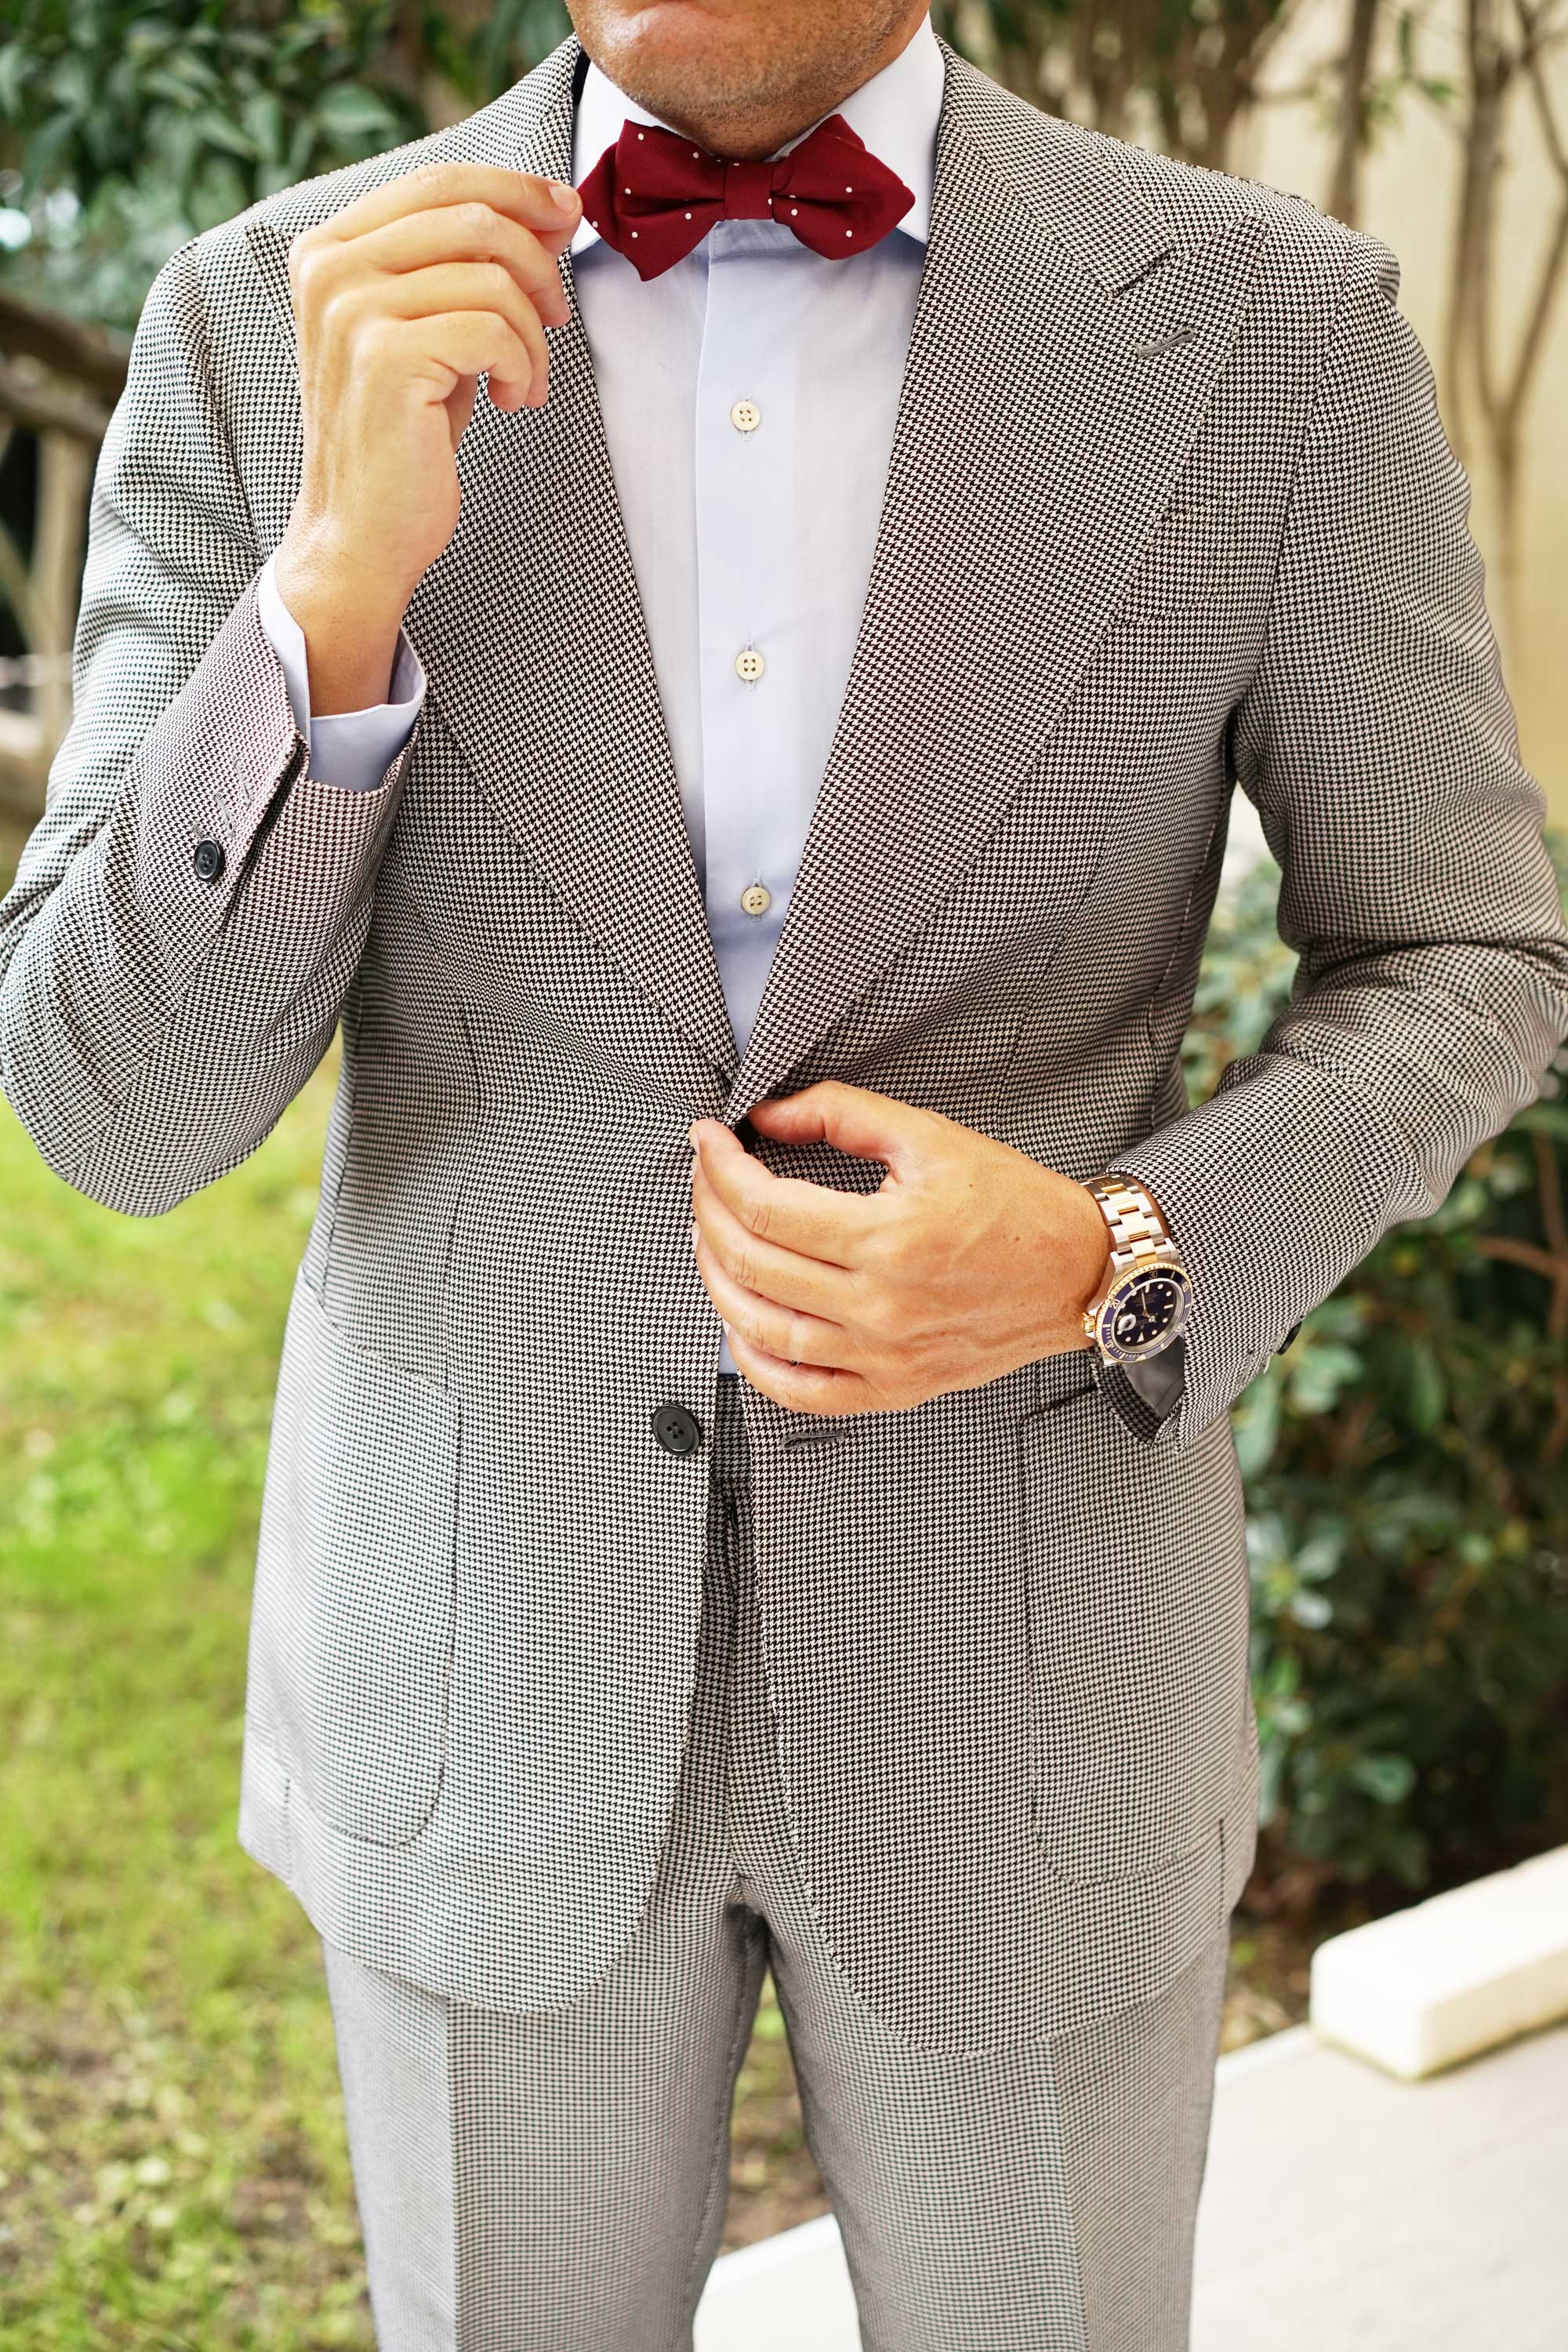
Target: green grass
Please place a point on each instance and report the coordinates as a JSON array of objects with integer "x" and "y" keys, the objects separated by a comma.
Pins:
[{"x": 171, "y": 2138}]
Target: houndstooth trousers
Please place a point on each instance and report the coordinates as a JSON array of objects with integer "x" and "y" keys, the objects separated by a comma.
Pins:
[{"x": 555, "y": 2180}]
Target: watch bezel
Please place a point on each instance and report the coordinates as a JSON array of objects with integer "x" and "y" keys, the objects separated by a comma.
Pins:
[{"x": 1105, "y": 1312}]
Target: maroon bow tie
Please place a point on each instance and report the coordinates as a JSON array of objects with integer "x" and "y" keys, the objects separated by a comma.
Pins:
[{"x": 653, "y": 195}]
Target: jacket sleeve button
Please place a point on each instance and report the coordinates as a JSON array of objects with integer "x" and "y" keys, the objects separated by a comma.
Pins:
[{"x": 209, "y": 860}]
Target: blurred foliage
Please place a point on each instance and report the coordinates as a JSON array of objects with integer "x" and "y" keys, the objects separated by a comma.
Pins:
[
  {"x": 128, "y": 129},
  {"x": 172, "y": 2169},
  {"x": 1406, "y": 1469}
]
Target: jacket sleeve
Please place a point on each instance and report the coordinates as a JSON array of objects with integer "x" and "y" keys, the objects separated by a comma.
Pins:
[
  {"x": 1378, "y": 744},
  {"x": 190, "y": 909}
]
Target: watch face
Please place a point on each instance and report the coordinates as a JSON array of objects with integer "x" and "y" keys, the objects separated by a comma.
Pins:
[{"x": 1144, "y": 1311}]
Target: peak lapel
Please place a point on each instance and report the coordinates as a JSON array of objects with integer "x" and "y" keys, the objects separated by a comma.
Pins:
[
  {"x": 531, "y": 628},
  {"x": 1034, "y": 447}
]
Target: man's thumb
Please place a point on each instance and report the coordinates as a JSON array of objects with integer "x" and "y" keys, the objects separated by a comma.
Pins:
[{"x": 868, "y": 1125}]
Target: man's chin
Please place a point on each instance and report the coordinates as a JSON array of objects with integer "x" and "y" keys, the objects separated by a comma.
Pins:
[{"x": 680, "y": 56}]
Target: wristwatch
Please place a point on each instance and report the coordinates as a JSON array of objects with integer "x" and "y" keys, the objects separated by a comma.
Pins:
[{"x": 1146, "y": 1296}]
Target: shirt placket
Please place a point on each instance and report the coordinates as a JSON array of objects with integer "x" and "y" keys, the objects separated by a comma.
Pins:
[{"x": 748, "y": 605}]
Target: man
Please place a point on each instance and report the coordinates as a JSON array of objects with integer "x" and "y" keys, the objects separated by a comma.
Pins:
[{"x": 801, "y": 696}]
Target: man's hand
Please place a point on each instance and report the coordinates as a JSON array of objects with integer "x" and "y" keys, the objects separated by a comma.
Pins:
[
  {"x": 401, "y": 300},
  {"x": 969, "y": 1260}
]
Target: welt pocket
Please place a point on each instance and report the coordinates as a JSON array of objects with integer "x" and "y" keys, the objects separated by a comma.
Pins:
[
  {"x": 1135, "y": 1588},
  {"x": 1041, "y": 1408},
  {"x": 1052, "y": 1384},
  {"x": 1187, "y": 561}
]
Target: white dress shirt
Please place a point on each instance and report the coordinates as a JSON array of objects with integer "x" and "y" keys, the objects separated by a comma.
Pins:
[{"x": 748, "y": 396}]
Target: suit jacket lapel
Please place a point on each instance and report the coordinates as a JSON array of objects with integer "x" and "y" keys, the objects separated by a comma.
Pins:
[
  {"x": 1034, "y": 450},
  {"x": 532, "y": 627}
]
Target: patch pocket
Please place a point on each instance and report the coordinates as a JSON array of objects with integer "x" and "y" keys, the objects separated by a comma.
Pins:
[
  {"x": 356, "y": 1603},
  {"x": 1137, "y": 1602},
  {"x": 1187, "y": 561}
]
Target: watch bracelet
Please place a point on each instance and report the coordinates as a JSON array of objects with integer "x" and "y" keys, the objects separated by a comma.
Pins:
[{"x": 1136, "y": 1226}]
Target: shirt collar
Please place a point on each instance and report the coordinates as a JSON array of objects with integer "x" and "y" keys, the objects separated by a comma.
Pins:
[{"x": 896, "y": 114}]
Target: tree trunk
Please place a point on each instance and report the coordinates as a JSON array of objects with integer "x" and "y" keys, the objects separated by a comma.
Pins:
[{"x": 1355, "y": 68}]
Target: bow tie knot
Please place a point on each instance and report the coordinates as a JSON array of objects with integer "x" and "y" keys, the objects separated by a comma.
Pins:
[
  {"x": 654, "y": 196},
  {"x": 749, "y": 188}
]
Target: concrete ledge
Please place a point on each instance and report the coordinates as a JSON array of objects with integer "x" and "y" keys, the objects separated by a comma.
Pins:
[{"x": 1458, "y": 1974}]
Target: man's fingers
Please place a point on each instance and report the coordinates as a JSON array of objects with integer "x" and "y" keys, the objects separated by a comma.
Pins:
[
  {"x": 784, "y": 1331},
  {"x": 520, "y": 194},
  {"x": 458, "y": 344},
  {"x": 866, "y": 1125},
  {"x": 814, "y": 1219},
  {"x": 785, "y": 1276},
  {"x": 810, "y": 1387},
  {"x": 448, "y": 288},
  {"x": 471, "y": 232}
]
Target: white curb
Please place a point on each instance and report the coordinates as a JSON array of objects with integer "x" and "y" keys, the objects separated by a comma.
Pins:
[
  {"x": 1456, "y": 1974},
  {"x": 781, "y": 2295}
]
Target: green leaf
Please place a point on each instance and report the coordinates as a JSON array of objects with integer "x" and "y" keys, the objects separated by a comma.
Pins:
[
  {"x": 262, "y": 116},
  {"x": 15, "y": 73},
  {"x": 1320, "y": 1556},
  {"x": 1257, "y": 1422},
  {"x": 1317, "y": 1376},
  {"x": 1427, "y": 1398},
  {"x": 1388, "y": 1779},
  {"x": 1545, "y": 1118},
  {"x": 350, "y": 114},
  {"x": 219, "y": 131}
]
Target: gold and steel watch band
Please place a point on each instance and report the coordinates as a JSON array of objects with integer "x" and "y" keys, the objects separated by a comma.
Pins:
[{"x": 1137, "y": 1228}]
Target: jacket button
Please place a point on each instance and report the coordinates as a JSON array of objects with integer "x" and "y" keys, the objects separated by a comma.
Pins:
[
  {"x": 677, "y": 1431},
  {"x": 209, "y": 860}
]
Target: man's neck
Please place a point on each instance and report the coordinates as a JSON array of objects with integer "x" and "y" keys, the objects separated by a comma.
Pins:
[{"x": 747, "y": 133}]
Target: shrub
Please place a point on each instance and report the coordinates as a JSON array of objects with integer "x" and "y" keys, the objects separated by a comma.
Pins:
[{"x": 1407, "y": 1468}]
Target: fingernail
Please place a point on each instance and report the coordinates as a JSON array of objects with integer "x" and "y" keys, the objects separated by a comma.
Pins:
[
  {"x": 694, "y": 1233},
  {"x": 566, "y": 198}
]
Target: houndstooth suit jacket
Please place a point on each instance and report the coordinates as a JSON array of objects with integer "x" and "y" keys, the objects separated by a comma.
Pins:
[{"x": 1170, "y": 505}]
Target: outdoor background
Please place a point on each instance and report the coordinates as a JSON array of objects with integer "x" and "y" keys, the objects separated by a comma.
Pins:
[{"x": 172, "y": 2171}]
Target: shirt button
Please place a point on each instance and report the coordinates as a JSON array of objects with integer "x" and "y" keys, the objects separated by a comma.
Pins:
[
  {"x": 755, "y": 900},
  {"x": 749, "y": 664},
  {"x": 745, "y": 416}
]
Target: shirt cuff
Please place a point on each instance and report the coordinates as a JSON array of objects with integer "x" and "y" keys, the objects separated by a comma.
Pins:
[{"x": 350, "y": 749}]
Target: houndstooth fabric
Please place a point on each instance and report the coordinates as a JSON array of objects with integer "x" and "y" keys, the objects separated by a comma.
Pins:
[
  {"x": 558, "y": 2180},
  {"x": 1169, "y": 505}
]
